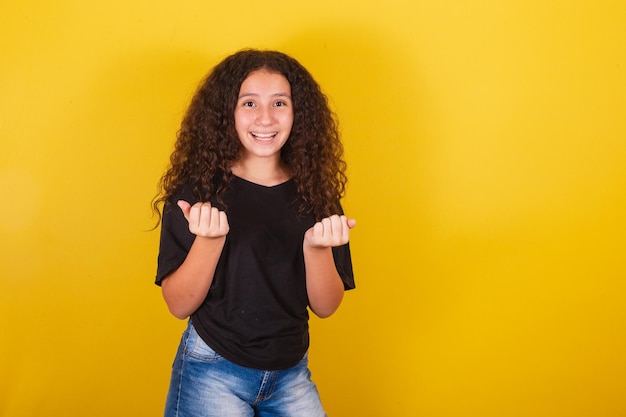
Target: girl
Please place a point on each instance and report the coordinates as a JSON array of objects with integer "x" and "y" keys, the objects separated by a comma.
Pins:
[{"x": 252, "y": 234}]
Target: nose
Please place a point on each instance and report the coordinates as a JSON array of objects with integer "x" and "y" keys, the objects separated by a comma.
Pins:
[{"x": 265, "y": 115}]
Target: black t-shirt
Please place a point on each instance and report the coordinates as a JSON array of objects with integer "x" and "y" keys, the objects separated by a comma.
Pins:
[{"x": 255, "y": 313}]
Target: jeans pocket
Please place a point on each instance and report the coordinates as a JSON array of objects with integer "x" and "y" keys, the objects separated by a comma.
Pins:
[{"x": 197, "y": 349}]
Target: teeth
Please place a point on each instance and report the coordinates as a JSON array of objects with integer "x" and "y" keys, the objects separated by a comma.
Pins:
[{"x": 264, "y": 135}]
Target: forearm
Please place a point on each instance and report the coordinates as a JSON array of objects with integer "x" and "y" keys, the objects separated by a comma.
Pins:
[
  {"x": 187, "y": 287},
  {"x": 323, "y": 283}
]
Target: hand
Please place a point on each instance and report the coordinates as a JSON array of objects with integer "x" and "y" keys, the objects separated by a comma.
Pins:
[
  {"x": 329, "y": 232},
  {"x": 205, "y": 220}
]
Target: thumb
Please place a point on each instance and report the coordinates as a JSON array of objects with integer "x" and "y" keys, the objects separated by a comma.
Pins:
[
  {"x": 185, "y": 207},
  {"x": 351, "y": 223}
]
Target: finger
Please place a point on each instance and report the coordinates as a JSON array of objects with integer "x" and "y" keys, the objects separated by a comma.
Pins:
[
  {"x": 318, "y": 230},
  {"x": 326, "y": 228},
  {"x": 195, "y": 214},
  {"x": 214, "y": 221},
  {"x": 345, "y": 230},
  {"x": 336, "y": 224},
  {"x": 210, "y": 220},
  {"x": 224, "y": 227},
  {"x": 205, "y": 213},
  {"x": 185, "y": 208}
]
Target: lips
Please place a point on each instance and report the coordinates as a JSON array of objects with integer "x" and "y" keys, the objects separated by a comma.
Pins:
[{"x": 263, "y": 136}]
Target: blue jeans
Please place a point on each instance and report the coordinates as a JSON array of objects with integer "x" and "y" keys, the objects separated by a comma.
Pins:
[{"x": 205, "y": 384}]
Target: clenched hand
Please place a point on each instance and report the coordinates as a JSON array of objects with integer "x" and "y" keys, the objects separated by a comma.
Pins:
[
  {"x": 329, "y": 232},
  {"x": 205, "y": 220}
]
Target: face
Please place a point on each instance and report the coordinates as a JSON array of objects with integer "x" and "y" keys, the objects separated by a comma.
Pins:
[{"x": 263, "y": 114}]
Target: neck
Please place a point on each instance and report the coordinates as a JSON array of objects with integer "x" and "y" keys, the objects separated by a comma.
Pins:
[{"x": 260, "y": 171}]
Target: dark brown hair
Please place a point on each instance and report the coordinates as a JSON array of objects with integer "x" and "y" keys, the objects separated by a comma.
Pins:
[{"x": 207, "y": 144}]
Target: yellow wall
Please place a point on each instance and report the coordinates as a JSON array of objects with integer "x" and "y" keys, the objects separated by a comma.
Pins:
[{"x": 487, "y": 151}]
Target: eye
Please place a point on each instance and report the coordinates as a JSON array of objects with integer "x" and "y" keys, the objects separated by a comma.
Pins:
[
  {"x": 280, "y": 104},
  {"x": 248, "y": 104}
]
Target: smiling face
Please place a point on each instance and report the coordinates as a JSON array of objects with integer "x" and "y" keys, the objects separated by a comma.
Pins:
[{"x": 263, "y": 115}]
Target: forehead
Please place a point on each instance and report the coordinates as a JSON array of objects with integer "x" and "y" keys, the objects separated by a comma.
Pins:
[{"x": 265, "y": 81}]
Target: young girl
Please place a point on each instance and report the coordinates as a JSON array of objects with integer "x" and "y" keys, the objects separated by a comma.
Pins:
[{"x": 252, "y": 234}]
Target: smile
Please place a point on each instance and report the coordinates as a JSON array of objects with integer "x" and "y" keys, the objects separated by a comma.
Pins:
[{"x": 263, "y": 136}]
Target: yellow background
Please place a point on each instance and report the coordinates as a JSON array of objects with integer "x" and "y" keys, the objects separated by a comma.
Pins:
[{"x": 487, "y": 159}]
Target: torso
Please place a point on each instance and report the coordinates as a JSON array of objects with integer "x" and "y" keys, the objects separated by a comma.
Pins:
[{"x": 256, "y": 311}]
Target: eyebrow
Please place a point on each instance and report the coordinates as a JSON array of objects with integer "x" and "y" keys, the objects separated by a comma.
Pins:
[{"x": 272, "y": 95}]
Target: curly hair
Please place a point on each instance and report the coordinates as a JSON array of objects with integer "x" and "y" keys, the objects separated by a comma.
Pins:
[{"x": 207, "y": 144}]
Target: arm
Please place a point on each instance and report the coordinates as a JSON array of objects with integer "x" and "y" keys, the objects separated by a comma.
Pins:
[
  {"x": 187, "y": 287},
  {"x": 323, "y": 283}
]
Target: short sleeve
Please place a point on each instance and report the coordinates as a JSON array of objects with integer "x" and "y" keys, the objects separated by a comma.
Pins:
[
  {"x": 175, "y": 242},
  {"x": 343, "y": 263}
]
